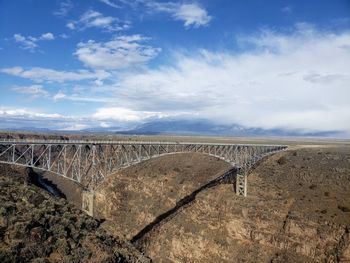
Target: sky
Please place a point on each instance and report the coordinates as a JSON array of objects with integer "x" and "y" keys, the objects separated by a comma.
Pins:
[{"x": 73, "y": 65}]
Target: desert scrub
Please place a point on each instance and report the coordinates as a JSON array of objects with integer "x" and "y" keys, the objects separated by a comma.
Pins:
[
  {"x": 313, "y": 186},
  {"x": 7, "y": 208},
  {"x": 344, "y": 208},
  {"x": 282, "y": 160},
  {"x": 58, "y": 230}
]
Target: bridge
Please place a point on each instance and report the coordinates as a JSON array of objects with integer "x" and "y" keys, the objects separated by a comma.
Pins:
[{"x": 88, "y": 163}]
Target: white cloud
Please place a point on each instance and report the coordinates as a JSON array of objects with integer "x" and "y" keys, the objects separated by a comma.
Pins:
[
  {"x": 95, "y": 19},
  {"x": 80, "y": 98},
  {"x": 110, "y": 3},
  {"x": 296, "y": 80},
  {"x": 121, "y": 52},
  {"x": 120, "y": 3},
  {"x": 64, "y": 36},
  {"x": 104, "y": 117},
  {"x": 104, "y": 124},
  {"x": 49, "y": 75},
  {"x": 59, "y": 95},
  {"x": 75, "y": 127},
  {"x": 98, "y": 82},
  {"x": 30, "y": 42},
  {"x": 34, "y": 91},
  {"x": 191, "y": 13},
  {"x": 18, "y": 118},
  {"x": 24, "y": 42},
  {"x": 65, "y": 7},
  {"x": 22, "y": 112},
  {"x": 293, "y": 81},
  {"x": 71, "y": 25},
  {"x": 124, "y": 114},
  {"x": 287, "y": 9},
  {"x": 47, "y": 36}
]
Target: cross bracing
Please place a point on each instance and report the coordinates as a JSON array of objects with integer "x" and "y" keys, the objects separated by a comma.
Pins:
[{"x": 90, "y": 162}]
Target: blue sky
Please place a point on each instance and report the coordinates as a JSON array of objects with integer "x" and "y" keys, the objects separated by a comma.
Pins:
[{"x": 71, "y": 65}]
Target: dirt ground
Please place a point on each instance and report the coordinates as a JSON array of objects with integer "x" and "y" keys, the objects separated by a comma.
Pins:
[{"x": 297, "y": 208}]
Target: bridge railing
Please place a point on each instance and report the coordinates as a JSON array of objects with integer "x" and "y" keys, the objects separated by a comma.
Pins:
[{"x": 38, "y": 141}]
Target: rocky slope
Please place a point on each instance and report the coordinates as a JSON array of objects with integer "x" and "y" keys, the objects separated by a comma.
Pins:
[
  {"x": 34, "y": 226},
  {"x": 134, "y": 197},
  {"x": 297, "y": 210}
]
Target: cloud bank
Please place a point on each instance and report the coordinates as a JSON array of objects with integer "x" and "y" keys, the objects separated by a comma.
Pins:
[
  {"x": 94, "y": 19},
  {"x": 296, "y": 80},
  {"x": 121, "y": 52},
  {"x": 39, "y": 74},
  {"x": 191, "y": 13},
  {"x": 290, "y": 81},
  {"x": 31, "y": 43}
]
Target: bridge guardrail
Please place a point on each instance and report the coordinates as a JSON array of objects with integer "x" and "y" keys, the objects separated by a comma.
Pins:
[{"x": 34, "y": 141}]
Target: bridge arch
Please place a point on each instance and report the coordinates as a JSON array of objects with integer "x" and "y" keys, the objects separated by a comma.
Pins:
[
  {"x": 134, "y": 162},
  {"x": 89, "y": 162}
]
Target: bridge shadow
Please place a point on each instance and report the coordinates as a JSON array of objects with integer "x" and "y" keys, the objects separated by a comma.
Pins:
[
  {"x": 227, "y": 178},
  {"x": 38, "y": 180}
]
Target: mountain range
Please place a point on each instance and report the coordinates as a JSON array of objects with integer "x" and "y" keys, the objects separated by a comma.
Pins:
[
  {"x": 203, "y": 127},
  {"x": 186, "y": 127}
]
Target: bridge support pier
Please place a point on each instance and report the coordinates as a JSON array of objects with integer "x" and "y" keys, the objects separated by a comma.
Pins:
[
  {"x": 241, "y": 185},
  {"x": 88, "y": 199}
]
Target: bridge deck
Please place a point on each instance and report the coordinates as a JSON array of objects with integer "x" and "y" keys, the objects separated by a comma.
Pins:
[{"x": 111, "y": 142}]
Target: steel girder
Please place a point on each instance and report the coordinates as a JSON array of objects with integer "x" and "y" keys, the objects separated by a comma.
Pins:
[{"x": 89, "y": 162}]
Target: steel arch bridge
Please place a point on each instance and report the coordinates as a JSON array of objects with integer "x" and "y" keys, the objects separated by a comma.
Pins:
[{"x": 88, "y": 163}]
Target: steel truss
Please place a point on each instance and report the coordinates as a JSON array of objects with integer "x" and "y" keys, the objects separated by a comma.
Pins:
[{"x": 90, "y": 162}]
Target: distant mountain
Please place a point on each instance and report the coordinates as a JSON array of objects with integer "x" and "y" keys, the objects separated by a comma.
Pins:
[
  {"x": 28, "y": 129},
  {"x": 203, "y": 127},
  {"x": 103, "y": 129},
  {"x": 183, "y": 127}
]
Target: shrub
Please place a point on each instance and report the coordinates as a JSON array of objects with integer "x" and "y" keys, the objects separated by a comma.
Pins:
[
  {"x": 312, "y": 187},
  {"x": 282, "y": 160},
  {"x": 344, "y": 208}
]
